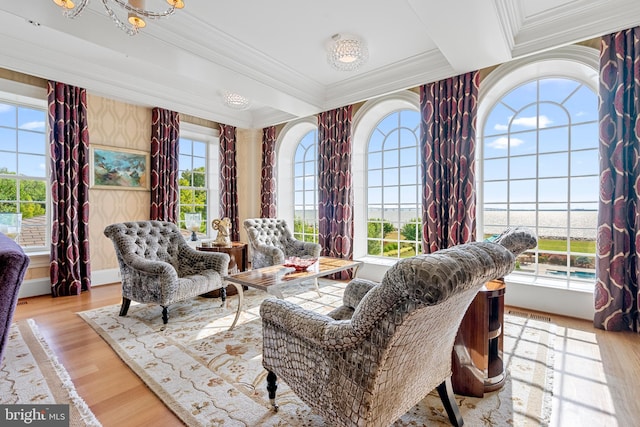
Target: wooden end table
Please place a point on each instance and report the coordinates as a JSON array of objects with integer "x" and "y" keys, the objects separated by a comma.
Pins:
[
  {"x": 477, "y": 353},
  {"x": 237, "y": 252}
]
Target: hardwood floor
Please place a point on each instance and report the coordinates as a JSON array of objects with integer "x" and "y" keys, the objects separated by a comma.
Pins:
[
  {"x": 114, "y": 393},
  {"x": 595, "y": 380}
]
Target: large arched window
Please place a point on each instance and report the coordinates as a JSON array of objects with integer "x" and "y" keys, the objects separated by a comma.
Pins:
[
  {"x": 305, "y": 188},
  {"x": 393, "y": 186},
  {"x": 297, "y": 165},
  {"x": 539, "y": 163}
]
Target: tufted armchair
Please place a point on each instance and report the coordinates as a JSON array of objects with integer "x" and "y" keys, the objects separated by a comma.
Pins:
[
  {"x": 159, "y": 267},
  {"x": 271, "y": 242},
  {"x": 371, "y": 360}
]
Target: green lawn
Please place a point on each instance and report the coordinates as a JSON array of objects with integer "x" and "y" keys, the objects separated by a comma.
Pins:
[{"x": 583, "y": 246}]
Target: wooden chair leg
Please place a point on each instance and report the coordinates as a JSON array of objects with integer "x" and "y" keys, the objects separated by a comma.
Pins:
[
  {"x": 165, "y": 315},
  {"x": 445, "y": 390},
  {"x": 125, "y": 306},
  {"x": 223, "y": 294},
  {"x": 272, "y": 386}
]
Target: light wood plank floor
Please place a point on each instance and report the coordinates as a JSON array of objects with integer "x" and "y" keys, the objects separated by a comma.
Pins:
[{"x": 595, "y": 380}]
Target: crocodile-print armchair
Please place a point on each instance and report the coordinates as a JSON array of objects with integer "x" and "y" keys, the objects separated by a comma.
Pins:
[
  {"x": 370, "y": 361},
  {"x": 271, "y": 242},
  {"x": 158, "y": 266}
]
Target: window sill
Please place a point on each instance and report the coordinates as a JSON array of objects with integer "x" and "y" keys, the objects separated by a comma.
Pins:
[
  {"x": 548, "y": 282},
  {"x": 39, "y": 259}
]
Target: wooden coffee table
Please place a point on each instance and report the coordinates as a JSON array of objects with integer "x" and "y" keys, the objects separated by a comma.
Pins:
[{"x": 270, "y": 279}]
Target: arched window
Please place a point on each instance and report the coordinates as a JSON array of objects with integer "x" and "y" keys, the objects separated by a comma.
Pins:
[
  {"x": 297, "y": 163},
  {"x": 386, "y": 178},
  {"x": 305, "y": 188},
  {"x": 393, "y": 187},
  {"x": 539, "y": 167}
]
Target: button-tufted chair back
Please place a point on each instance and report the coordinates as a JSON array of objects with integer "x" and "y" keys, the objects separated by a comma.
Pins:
[
  {"x": 151, "y": 240},
  {"x": 271, "y": 242}
]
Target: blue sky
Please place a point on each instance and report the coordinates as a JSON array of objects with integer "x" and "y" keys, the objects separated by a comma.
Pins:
[{"x": 30, "y": 137}]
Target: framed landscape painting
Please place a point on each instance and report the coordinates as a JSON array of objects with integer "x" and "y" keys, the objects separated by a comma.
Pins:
[{"x": 119, "y": 168}]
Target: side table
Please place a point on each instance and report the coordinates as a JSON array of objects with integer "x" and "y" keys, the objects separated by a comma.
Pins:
[
  {"x": 238, "y": 262},
  {"x": 477, "y": 353}
]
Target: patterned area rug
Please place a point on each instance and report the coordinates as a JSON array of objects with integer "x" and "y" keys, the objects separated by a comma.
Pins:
[
  {"x": 31, "y": 374},
  {"x": 210, "y": 376}
]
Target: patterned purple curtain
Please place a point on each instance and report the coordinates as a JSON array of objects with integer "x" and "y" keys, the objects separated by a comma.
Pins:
[
  {"x": 335, "y": 192},
  {"x": 165, "y": 134},
  {"x": 268, "y": 177},
  {"x": 229, "y": 179},
  {"x": 70, "y": 268},
  {"x": 448, "y": 141},
  {"x": 618, "y": 257}
]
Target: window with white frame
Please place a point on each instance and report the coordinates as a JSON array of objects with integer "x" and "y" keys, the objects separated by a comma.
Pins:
[
  {"x": 394, "y": 186},
  {"x": 197, "y": 185},
  {"x": 305, "y": 190},
  {"x": 540, "y": 170},
  {"x": 24, "y": 183}
]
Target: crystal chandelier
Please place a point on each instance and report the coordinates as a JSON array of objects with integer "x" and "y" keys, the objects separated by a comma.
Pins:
[
  {"x": 235, "y": 101},
  {"x": 346, "y": 52},
  {"x": 135, "y": 10}
]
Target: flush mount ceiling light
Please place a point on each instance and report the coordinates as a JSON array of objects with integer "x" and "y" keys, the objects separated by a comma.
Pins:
[
  {"x": 235, "y": 101},
  {"x": 346, "y": 52},
  {"x": 135, "y": 11}
]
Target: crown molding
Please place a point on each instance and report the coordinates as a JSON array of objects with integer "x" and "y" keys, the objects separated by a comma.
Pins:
[
  {"x": 418, "y": 70},
  {"x": 573, "y": 22}
]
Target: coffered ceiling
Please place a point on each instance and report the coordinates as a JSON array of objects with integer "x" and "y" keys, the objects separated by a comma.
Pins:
[{"x": 273, "y": 52}]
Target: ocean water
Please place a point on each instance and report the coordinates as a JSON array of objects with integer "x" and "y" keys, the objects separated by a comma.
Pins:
[{"x": 550, "y": 223}]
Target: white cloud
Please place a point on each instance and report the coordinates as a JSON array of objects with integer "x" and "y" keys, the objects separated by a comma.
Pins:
[
  {"x": 32, "y": 125},
  {"x": 502, "y": 143},
  {"x": 529, "y": 122},
  {"x": 4, "y": 108}
]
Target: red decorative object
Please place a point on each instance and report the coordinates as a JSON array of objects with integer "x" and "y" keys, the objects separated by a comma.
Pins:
[{"x": 300, "y": 264}]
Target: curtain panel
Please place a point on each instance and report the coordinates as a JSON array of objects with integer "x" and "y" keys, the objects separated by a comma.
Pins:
[
  {"x": 70, "y": 268},
  {"x": 335, "y": 191},
  {"x": 268, "y": 177},
  {"x": 618, "y": 240},
  {"x": 447, "y": 148},
  {"x": 229, "y": 179},
  {"x": 165, "y": 135}
]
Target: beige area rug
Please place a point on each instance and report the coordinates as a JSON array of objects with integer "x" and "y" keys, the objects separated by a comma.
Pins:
[
  {"x": 31, "y": 374},
  {"x": 210, "y": 376}
]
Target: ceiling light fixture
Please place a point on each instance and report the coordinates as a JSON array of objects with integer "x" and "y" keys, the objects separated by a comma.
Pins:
[
  {"x": 235, "y": 101},
  {"x": 135, "y": 10},
  {"x": 346, "y": 52}
]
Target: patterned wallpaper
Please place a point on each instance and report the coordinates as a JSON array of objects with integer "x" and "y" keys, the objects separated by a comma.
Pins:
[{"x": 114, "y": 123}]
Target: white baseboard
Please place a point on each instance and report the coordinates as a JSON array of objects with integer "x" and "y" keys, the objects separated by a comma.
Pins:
[{"x": 42, "y": 286}]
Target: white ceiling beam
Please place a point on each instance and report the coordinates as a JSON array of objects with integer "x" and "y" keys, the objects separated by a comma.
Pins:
[{"x": 469, "y": 35}]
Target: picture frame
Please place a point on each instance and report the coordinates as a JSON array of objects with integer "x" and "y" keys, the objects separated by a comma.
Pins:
[{"x": 118, "y": 168}]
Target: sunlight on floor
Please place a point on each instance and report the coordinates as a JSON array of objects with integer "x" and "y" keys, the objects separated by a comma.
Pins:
[{"x": 581, "y": 395}]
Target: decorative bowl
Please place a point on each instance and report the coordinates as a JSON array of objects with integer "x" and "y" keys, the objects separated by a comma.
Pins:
[{"x": 300, "y": 264}]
